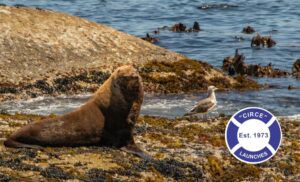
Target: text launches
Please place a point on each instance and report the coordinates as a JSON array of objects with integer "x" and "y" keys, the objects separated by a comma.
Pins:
[{"x": 253, "y": 135}]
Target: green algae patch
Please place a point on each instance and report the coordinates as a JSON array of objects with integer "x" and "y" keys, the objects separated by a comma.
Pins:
[
  {"x": 157, "y": 121},
  {"x": 189, "y": 75},
  {"x": 242, "y": 172},
  {"x": 172, "y": 77},
  {"x": 244, "y": 83}
]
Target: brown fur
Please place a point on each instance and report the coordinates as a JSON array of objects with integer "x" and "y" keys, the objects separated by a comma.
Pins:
[{"x": 107, "y": 119}]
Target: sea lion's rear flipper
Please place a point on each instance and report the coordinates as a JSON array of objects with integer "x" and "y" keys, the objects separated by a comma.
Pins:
[
  {"x": 14, "y": 144},
  {"x": 133, "y": 149}
]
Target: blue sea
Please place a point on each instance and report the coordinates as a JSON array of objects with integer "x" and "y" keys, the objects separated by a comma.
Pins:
[{"x": 221, "y": 23}]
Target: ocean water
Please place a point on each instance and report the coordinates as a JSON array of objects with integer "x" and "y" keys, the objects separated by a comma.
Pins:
[{"x": 221, "y": 23}]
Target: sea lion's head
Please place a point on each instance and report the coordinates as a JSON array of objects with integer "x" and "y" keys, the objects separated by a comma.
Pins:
[{"x": 127, "y": 79}]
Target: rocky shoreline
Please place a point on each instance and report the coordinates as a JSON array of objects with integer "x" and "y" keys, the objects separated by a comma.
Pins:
[
  {"x": 45, "y": 53},
  {"x": 182, "y": 149}
]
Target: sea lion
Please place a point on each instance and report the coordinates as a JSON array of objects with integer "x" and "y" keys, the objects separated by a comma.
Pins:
[{"x": 107, "y": 119}]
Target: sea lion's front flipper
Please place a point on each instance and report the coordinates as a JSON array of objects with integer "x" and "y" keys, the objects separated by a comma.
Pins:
[
  {"x": 14, "y": 144},
  {"x": 133, "y": 149}
]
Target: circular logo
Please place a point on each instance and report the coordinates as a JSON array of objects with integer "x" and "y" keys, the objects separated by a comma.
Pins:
[{"x": 253, "y": 135}]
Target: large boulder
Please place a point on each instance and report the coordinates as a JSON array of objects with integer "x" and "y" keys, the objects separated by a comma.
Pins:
[{"x": 48, "y": 53}]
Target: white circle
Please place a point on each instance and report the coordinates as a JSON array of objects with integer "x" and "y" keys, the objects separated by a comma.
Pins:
[{"x": 253, "y": 135}]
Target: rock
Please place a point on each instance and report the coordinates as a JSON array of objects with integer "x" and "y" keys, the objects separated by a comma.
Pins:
[
  {"x": 296, "y": 68},
  {"x": 36, "y": 44},
  {"x": 291, "y": 87},
  {"x": 46, "y": 53},
  {"x": 196, "y": 27},
  {"x": 150, "y": 38},
  {"x": 236, "y": 65},
  {"x": 180, "y": 27},
  {"x": 56, "y": 173},
  {"x": 248, "y": 30},
  {"x": 258, "y": 41},
  {"x": 4, "y": 177}
]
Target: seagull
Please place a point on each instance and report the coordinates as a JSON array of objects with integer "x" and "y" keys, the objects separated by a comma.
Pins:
[{"x": 205, "y": 105}]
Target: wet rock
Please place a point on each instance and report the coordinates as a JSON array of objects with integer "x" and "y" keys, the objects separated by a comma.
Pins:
[
  {"x": 4, "y": 177},
  {"x": 43, "y": 86},
  {"x": 180, "y": 27},
  {"x": 56, "y": 173},
  {"x": 25, "y": 154},
  {"x": 264, "y": 41},
  {"x": 177, "y": 170},
  {"x": 196, "y": 27},
  {"x": 248, "y": 30},
  {"x": 156, "y": 31},
  {"x": 7, "y": 89},
  {"x": 296, "y": 68},
  {"x": 291, "y": 87},
  {"x": 18, "y": 165},
  {"x": 20, "y": 6},
  {"x": 236, "y": 65},
  {"x": 150, "y": 39},
  {"x": 96, "y": 175}
]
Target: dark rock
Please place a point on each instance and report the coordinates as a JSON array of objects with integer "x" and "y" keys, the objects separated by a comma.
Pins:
[
  {"x": 156, "y": 31},
  {"x": 40, "y": 9},
  {"x": 236, "y": 65},
  {"x": 17, "y": 164},
  {"x": 95, "y": 175},
  {"x": 8, "y": 89},
  {"x": 291, "y": 87},
  {"x": 4, "y": 177},
  {"x": 179, "y": 27},
  {"x": 150, "y": 39},
  {"x": 43, "y": 86},
  {"x": 296, "y": 68},
  {"x": 33, "y": 95},
  {"x": 2, "y": 4},
  {"x": 248, "y": 30},
  {"x": 170, "y": 168},
  {"x": 258, "y": 41},
  {"x": 25, "y": 153},
  {"x": 55, "y": 172},
  {"x": 196, "y": 27},
  {"x": 20, "y": 6}
]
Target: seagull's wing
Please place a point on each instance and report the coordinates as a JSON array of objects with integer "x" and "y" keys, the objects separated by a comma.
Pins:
[{"x": 203, "y": 107}]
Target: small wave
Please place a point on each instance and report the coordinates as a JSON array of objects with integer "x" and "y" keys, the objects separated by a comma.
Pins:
[
  {"x": 295, "y": 117},
  {"x": 216, "y": 6}
]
